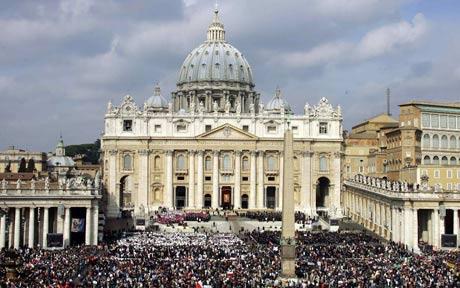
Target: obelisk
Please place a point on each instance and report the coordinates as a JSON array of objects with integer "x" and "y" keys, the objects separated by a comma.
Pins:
[{"x": 288, "y": 222}]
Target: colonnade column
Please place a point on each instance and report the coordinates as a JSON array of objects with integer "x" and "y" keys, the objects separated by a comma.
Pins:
[
  {"x": 88, "y": 226},
  {"x": 456, "y": 224},
  {"x": 142, "y": 198},
  {"x": 304, "y": 203},
  {"x": 252, "y": 194},
  {"x": 169, "y": 180},
  {"x": 281, "y": 185},
  {"x": 215, "y": 180},
  {"x": 237, "y": 190},
  {"x": 394, "y": 227},
  {"x": 114, "y": 198},
  {"x": 95, "y": 225},
  {"x": 435, "y": 222},
  {"x": 415, "y": 229},
  {"x": 199, "y": 194},
  {"x": 337, "y": 184},
  {"x": 2, "y": 231},
  {"x": 191, "y": 179},
  {"x": 66, "y": 233},
  {"x": 408, "y": 227},
  {"x": 31, "y": 227},
  {"x": 45, "y": 227},
  {"x": 260, "y": 180},
  {"x": 17, "y": 228}
]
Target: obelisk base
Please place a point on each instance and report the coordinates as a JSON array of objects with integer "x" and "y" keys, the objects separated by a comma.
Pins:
[{"x": 288, "y": 261}]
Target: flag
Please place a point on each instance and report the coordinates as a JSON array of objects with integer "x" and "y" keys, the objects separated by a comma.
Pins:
[{"x": 78, "y": 225}]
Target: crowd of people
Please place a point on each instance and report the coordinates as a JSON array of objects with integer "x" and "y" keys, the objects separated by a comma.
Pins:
[
  {"x": 250, "y": 259},
  {"x": 271, "y": 216},
  {"x": 178, "y": 217}
]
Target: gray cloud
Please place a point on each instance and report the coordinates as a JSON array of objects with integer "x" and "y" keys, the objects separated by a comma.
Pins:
[{"x": 61, "y": 61}]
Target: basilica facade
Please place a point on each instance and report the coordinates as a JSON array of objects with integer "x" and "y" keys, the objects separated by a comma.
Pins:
[{"x": 216, "y": 145}]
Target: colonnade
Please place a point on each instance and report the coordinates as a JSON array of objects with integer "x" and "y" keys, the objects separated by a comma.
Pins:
[{"x": 30, "y": 226}]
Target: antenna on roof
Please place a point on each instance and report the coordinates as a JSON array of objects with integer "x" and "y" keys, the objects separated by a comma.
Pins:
[{"x": 388, "y": 102}]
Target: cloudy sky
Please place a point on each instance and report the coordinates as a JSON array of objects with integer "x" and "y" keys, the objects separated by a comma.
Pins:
[{"x": 62, "y": 61}]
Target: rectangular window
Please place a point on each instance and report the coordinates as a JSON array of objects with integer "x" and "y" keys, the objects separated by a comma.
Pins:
[
  {"x": 436, "y": 173},
  {"x": 128, "y": 125},
  {"x": 458, "y": 174},
  {"x": 181, "y": 128},
  {"x": 295, "y": 129},
  {"x": 245, "y": 128},
  {"x": 207, "y": 178},
  {"x": 425, "y": 120},
  {"x": 271, "y": 178},
  {"x": 435, "y": 121},
  {"x": 449, "y": 186},
  {"x": 180, "y": 178},
  {"x": 157, "y": 128},
  {"x": 207, "y": 128},
  {"x": 449, "y": 173},
  {"x": 323, "y": 128},
  {"x": 271, "y": 129},
  {"x": 245, "y": 179},
  {"x": 452, "y": 122},
  {"x": 443, "y": 121}
]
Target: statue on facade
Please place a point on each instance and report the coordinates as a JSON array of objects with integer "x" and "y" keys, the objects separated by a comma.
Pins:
[
  {"x": 238, "y": 107},
  {"x": 192, "y": 107},
  {"x": 170, "y": 107},
  {"x": 251, "y": 108},
  {"x": 388, "y": 185},
  {"x": 200, "y": 107},
  {"x": 47, "y": 183},
  {"x": 227, "y": 106},
  {"x": 306, "y": 109},
  {"x": 261, "y": 108},
  {"x": 339, "y": 110},
  {"x": 109, "y": 107},
  {"x": 4, "y": 184},
  {"x": 32, "y": 184},
  {"x": 377, "y": 182},
  {"x": 215, "y": 106},
  {"x": 18, "y": 184},
  {"x": 97, "y": 180},
  {"x": 89, "y": 184},
  {"x": 373, "y": 182}
]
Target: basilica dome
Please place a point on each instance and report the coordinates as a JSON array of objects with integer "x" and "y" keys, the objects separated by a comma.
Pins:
[
  {"x": 215, "y": 60},
  {"x": 278, "y": 103},
  {"x": 156, "y": 101}
]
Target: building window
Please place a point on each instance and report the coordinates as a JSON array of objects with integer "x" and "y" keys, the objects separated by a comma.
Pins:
[
  {"x": 157, "y": 128},
  {"x": 127, "y": 162},
  {"x": 207, "y": 128},
  {"x": 361, "y": 169},
  {"x": 271, "y": 178},
  {"x": 245, "y": 179},
  {"x": 444, "y": 161},
  {"x": 426, "y": 141},
  {"x": 435, "y": 121},
  {"x": 207, "y": 163},
  {"x": 226, "y": 163},
  {"x": 453, "y": 142},
  {"x": 436, "y": 173},
  {"x": 157, "y": 163},
  {"x": 322, "y": 163},
  {"x": 128, "y": 125},
  {"x": 443, "y": 121},
  {"x": 295, "y": 129},
  {"x": 425, "y": 120},
  {"x": 449, "y": 173},
  {"x": 181, "y": 128},
  {"x": 271, "y": 163},
  {"x": 245, "y": 128},
  {"x": 435, "y": 143},
  {"x": 271, "y": 129},
  {"x": 444, "y": 142},
  {"x": 207, "y": 178},
  {"x": 323, "y": 128},
  {"x": 245, "y": 163},
  {"x": 435, "y": 160},
  {"x": 453, "y": 161},
  {"x": 426, "y": 160},
  {"x": 180, "y": 162},
  {"x": 452, "y": 122}
]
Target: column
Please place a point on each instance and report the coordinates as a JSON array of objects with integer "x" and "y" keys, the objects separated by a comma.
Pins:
[
  {"x": 415, "y": 229},
  {"x": 45, "y": 227},
  {"x": 456, "y": 224},
  {"x": 31, "y": 227},
  {"x": 2, "y": 232},
  {"x": 88, "y": 226},
  {"x": 199, "y": 192},
  {"x": 142, "y": 197},
  {"x": 237, "y": 190},
  {"x": 281, "y": 185},
  {"x": 11, "y": 212},
  {"x": 191, "y": 179},
  {"x": 95, "y": 225},
  {"x": 113, "y": 208},
  {"x": 66, "y": 232},
  {"x": 17, "y": 228},
  {"x": 260, "y": 180},
  {"x": 304, "y": 181},
  {"x": 215, "y": 180},
  {"x": 252, "y": 194},
  {"x": 430, "y": 229},
  {"x": 168, "y": 199},
  {"x": 337, "y": 184},
  {"x": 435, "y": 221},
  {"x": 409, "y": 227},
  {"x": 393, "y": 225}
]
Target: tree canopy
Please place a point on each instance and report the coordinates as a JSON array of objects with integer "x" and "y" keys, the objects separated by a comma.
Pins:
[{"x": 90, "y": 151}]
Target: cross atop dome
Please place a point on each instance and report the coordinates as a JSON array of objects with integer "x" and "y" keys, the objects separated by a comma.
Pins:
[{"x": 216, "y": 31}]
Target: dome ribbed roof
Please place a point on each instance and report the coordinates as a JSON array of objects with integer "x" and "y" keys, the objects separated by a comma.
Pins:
[
  {"x": 156, "y": 100},
  {"x": 60, "y": 161},
  {"x": 215, "y": 60},
  {"x": 277, "y": 103}
]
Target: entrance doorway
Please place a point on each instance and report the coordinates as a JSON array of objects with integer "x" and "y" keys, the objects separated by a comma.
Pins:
[
  {"x": 207, "y": 201},
  {"x": 226, "y": 193},
  {"x": 180, "y": 197},
  {"x": 244, "y": 201},
  {"x": 270, "y": 196},
  {"x": 322, "y": 192}
]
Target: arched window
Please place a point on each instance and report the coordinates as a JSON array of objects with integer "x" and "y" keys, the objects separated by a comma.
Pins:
[
  {"x": 157, "y": 163},
  {"x": 444, "y": 142},
  {"x": 127, "y": 162},
  {"x": 426, "y": 141},
  {"x": 435, "y": 143},
  {"x": 453, "y": 142},
  {"x": 245, "y": 163},
  {"x": 207, "y": 163},
  {"x": 453, "y": 161},
  {"x": 271, "y": 163},
  {"x": 435, "y": 160},
  {"x": 322, "y": 163},
  {"x": 226, "y": 162},
  {"x": 444, "y": 161},
  {"x": 180, "y": 162},
  {"x": 426, "y": 160}
]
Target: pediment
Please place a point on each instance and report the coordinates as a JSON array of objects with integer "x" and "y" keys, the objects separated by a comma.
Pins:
[{"x": 227, "y": 132}]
